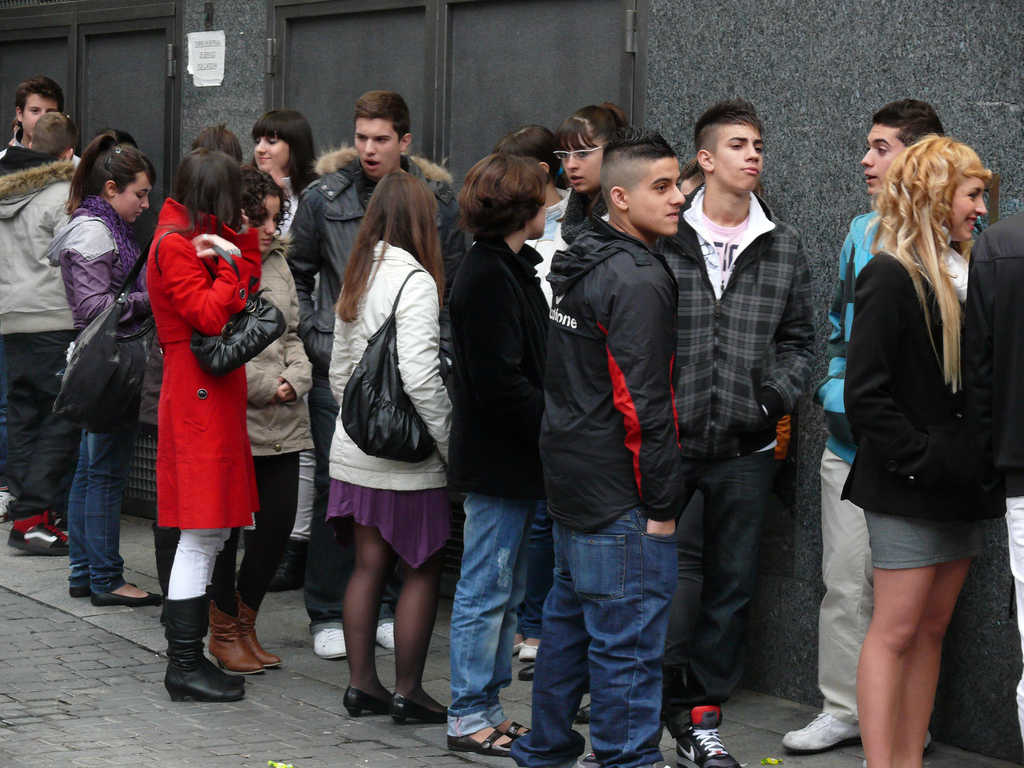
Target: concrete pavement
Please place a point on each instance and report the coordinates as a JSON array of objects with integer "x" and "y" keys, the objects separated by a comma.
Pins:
[{"x": 82, "y": 686}]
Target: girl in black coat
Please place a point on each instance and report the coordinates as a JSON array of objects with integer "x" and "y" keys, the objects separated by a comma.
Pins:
[{"x": 914, "y": 473}]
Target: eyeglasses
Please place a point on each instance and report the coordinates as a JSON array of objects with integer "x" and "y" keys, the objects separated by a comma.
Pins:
[{"x": 564, "y": 154}]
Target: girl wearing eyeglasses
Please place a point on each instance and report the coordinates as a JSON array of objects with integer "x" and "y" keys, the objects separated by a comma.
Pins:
[{"x": 581, "y": 139}]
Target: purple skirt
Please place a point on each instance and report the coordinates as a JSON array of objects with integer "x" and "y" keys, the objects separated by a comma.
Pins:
[{"x": 415, "y": 523}]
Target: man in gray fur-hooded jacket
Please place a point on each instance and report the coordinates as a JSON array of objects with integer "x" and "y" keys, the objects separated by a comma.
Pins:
[{"x": 323, "y": 232}]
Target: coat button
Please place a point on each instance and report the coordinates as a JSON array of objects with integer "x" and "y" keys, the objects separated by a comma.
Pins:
[
  {"x": 959, "y": 414},
  {"x": 911, "y": 478},
  {"x": 202, "y": 394},
  {"x": 891, "y": 465},
  {"x": 241, "y": 293},
  {"x": 277, "y": 447}
]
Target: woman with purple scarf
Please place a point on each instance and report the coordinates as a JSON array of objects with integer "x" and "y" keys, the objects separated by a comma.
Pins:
[{"x": 96, "y": 251}]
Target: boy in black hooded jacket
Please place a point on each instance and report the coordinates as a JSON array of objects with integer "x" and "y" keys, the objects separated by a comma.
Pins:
[{"x": 612, "y": 469}]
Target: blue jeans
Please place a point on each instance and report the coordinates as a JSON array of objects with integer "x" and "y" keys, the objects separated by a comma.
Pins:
[
  {"x": 605, "y": 621},
  {"x": 540, "y": 556},
  {"x": 328, "y": 565},
  {"x": 491, "y": 586},
  {"x": 94, "y": 510}
]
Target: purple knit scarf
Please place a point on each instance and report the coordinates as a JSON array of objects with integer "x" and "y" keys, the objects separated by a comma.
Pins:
[{"x": 127, "y": 248}]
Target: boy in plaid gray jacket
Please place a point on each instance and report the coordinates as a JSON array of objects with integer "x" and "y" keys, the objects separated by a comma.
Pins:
[{"x": 744, "y": 352}]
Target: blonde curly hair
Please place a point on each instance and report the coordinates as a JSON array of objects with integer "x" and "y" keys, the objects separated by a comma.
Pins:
[{"x": 914, "y": 208}]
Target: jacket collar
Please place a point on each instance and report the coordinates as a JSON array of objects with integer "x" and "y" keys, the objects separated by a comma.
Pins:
[
  {"x": 386, "y": 252},
  {"x": 35, "y": 177},
  {"x": 525, "y": 261},
  {"x": 759, "y": 223}
]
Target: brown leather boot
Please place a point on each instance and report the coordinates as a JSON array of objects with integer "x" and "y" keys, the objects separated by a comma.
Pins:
[
  {"x": 247, "y": 633},
  {"x": 227, "y": 646}
]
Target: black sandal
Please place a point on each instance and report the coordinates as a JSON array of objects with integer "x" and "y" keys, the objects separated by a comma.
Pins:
[
  {"x": 485, "y": 747},
  {"x": 515, "y": 730}
]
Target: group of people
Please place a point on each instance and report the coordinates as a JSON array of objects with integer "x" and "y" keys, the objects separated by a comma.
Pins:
[{"x": 597, "y": 347}]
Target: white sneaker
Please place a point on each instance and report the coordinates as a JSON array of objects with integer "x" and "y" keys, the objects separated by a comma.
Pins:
[
  {"x": 825, "y": 731},
  {"x": 5, "y": 499},
  {"x": 528, "y": 652},
  {"x": 329, "y": 643},
  {"x": 386, "y": 635}
]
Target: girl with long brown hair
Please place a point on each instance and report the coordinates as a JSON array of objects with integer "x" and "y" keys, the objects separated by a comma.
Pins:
[
  {"x": 915, "y": 473},
  {"x": 393, "y": 510}
]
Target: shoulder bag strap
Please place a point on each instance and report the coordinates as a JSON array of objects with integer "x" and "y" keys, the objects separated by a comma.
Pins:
[{"x": 394, "y": 307}]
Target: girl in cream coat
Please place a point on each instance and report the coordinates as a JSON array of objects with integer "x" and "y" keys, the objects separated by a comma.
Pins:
[{"x": 393, "y": 509}]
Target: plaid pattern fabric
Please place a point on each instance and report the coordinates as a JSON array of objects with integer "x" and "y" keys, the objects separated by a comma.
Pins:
[{"x": 759, "y": 334}]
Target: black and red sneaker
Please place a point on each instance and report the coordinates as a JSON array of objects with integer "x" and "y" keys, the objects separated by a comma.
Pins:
[
  {"x": 37, "y": 535},
  {"x": 701, "y": 746}
]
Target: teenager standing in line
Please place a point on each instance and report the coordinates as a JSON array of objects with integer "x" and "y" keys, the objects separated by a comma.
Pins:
[
  {"x": 916, "y": 474},
  {"x": 845, "y": 554}
]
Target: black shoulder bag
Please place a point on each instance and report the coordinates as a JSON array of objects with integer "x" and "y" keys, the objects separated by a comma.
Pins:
[
  {"x": 244, "y": 336},
  {"x": 102, "y": 382},
  {"x": 375, "y": 410}
]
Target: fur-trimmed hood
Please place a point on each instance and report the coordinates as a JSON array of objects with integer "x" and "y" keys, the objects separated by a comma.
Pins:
[
  {"x": 336, "y": 159},
  {"x": 16, "y": 189}
]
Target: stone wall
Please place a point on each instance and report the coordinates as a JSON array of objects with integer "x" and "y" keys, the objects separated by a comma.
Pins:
[
  {"x": 817, "y": 73},
  {"x": 240, "y": 100}
]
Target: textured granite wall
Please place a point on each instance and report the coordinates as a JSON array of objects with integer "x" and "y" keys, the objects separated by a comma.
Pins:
[
  {"x": 816, "y": 77},
  {"x": 240, "y": 100}
]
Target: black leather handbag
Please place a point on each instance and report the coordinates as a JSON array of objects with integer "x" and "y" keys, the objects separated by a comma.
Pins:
[
  {"x": 244, "y": 336},
  {"x": 101, "y": 388},
  {"x": 375, "y": 411}
]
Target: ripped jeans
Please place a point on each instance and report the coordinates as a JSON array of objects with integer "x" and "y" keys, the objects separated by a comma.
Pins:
[{"x": 491, "y": 586}]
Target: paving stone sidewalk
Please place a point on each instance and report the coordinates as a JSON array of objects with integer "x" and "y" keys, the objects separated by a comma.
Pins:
[{"x": 83, "y": 686}]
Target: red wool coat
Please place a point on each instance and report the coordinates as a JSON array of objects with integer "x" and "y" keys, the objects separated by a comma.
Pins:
[{"x": 204, "y": 468}]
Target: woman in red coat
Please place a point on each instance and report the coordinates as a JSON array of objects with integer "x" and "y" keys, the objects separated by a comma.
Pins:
[{"x": 206, "y": 484}]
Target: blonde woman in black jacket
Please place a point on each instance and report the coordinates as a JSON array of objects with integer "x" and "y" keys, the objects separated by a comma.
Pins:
[{"x": 915, "y": 474}]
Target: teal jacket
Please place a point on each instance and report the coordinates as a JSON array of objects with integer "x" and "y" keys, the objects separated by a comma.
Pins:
[{"x": 856, "y": 252}]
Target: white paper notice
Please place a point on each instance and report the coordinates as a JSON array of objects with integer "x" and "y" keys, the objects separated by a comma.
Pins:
[{"x": 206, "y": 58}]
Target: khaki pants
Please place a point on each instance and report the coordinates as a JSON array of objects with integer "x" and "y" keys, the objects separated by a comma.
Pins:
[{"x": 849, "y": 597}]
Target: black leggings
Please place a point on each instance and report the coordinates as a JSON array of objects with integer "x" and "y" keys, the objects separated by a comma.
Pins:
[{"x": 277, "y": 480}]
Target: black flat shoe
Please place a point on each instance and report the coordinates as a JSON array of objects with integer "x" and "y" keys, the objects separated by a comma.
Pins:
[
  {"x": 485, "y": 747},
  {"x": 403, "y": 709},
  {"x": 80, "y": 591},
  {"x": 356, "y": 702},
  {"x": 104, "y": 599}
]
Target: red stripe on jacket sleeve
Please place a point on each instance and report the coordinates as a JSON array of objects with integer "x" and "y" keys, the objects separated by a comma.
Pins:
[{"x": 624, "y": 403}]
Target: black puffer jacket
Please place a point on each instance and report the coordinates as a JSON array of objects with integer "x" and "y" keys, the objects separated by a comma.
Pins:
[
  {"x": 324, "y": 230},
  {"x": 608, "y": 438}
]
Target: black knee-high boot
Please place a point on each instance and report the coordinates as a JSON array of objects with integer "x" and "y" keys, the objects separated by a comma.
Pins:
[
  {"x": 165, "y": 544},
  {"x": 190, "y": 675}
]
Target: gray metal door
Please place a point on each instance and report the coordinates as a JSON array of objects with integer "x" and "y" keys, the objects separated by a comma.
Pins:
[
  {"x": 115, "y": 61},
  {"x": 471, "y": 70}
]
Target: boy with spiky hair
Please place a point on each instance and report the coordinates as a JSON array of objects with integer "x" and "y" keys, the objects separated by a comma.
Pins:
[
  {"x": 744, "y": 351},
  {"x": 612, "y": 470}
]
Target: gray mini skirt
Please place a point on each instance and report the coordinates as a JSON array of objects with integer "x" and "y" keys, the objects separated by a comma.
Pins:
[{"x": 911, "y": 542}]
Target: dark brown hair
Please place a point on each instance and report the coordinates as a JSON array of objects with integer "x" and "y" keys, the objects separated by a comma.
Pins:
[
  {"x": 534, "y": 141},
  {"x": 291, "y": 127},
  {"x": 912, "y": 118},
  {"x": 591, "y": 125},
  {"x": 53, "y": 134},
  {"x": 501, "y": 193},
  {"x": 731, "y": 112},
  {"x": 207, "y": 183},
  {"x": 219, "y": 137},
  {"x": 105, "y": 159},
  {"x": 402, "y": 212},
  {"x": 384, "y": 105},
  {"x": 41, "y": 86},
  {"x": 257, "y": 186}
]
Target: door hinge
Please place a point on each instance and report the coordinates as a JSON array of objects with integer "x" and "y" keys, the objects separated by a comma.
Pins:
[
  {"x": 269, "y": 53},
  {"x": 630, "y": 29},
  {"x": 172, "y": 63}
]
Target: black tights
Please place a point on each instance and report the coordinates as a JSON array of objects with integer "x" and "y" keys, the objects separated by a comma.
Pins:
[
  {"x": 277, "y": 480},
  {"x": 414, "y": 617}
]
